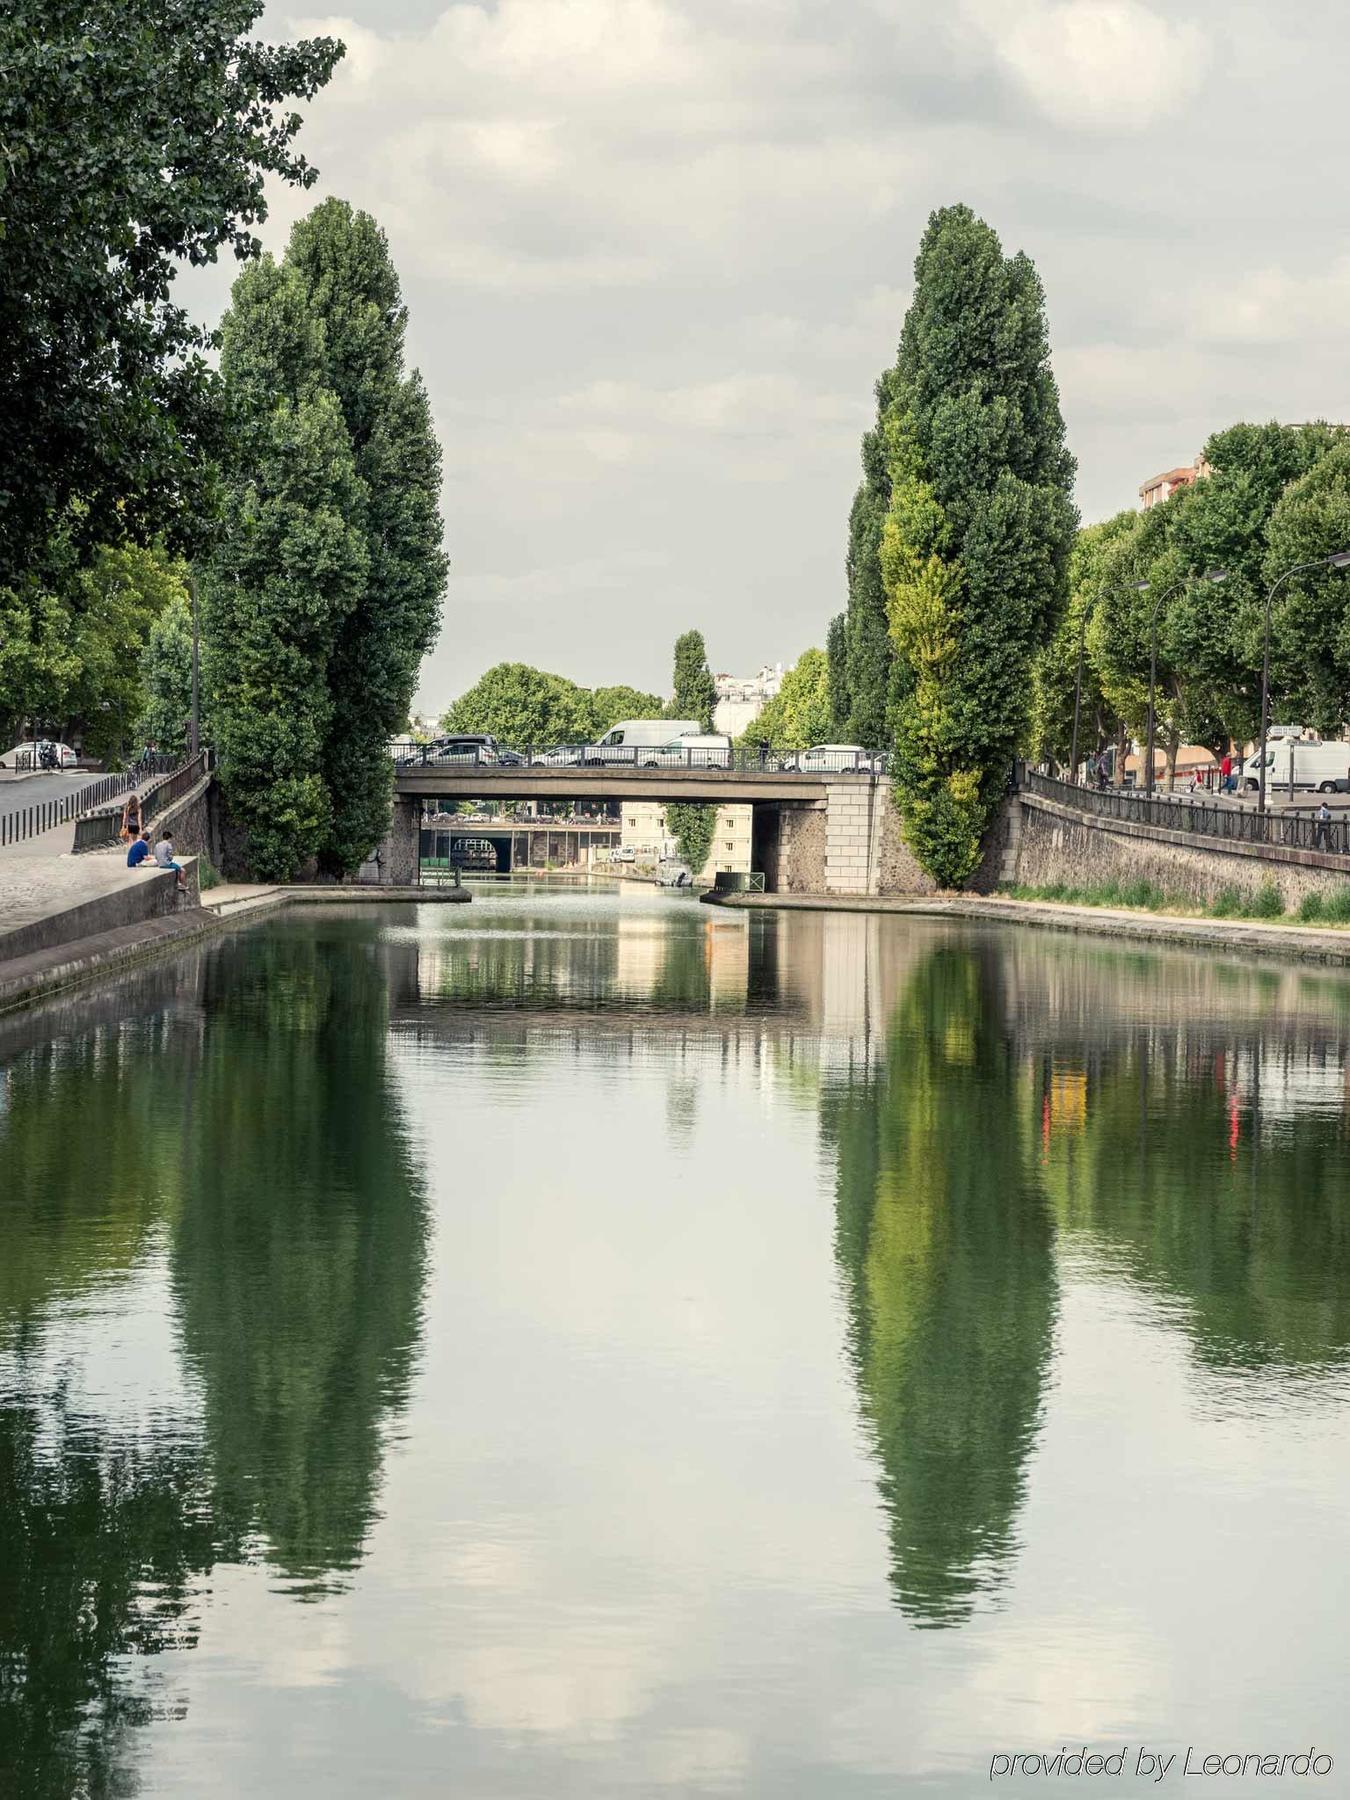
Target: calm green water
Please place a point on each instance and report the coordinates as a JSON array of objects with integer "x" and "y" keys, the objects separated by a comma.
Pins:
[{"x": 594, "y": 1346}]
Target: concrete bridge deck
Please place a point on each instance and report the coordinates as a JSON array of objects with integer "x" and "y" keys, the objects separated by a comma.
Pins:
[{"x": 722, "y": 787}]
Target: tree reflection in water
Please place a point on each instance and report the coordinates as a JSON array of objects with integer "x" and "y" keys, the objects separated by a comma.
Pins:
[
  {"x": 945, "y": 1242},
  {"x": 261, "y": 1137}
]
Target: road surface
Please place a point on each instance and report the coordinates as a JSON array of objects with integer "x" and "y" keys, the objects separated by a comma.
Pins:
[{"x": 34, "y": 789}]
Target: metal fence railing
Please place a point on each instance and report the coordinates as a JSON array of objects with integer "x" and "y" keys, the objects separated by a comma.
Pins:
[
  {"x": 44, "y": 815},
  {"x": 736, "y": 759},
  {"x": 94, "y": 830},
  {"x": 1289, "y": 828}
]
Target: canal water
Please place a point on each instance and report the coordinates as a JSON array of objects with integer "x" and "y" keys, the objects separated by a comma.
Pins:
[{"x": 597, "y": 1345}]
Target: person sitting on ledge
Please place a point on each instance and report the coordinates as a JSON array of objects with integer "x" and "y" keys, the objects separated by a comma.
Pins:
[
  {"x": 164, "y": 857},
  {"x": 140, "y": 849}
]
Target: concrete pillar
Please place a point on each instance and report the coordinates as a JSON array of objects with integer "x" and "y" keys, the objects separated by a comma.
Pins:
[{"x": 399, "y": 853}]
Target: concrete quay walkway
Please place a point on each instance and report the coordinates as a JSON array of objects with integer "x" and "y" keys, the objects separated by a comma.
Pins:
[
  {"x": 1301, "y": 943},
  {"x": 66, "y": 921}
]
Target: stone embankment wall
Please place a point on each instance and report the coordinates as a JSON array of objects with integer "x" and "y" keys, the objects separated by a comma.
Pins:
[{"x": 1057, "y": 845}]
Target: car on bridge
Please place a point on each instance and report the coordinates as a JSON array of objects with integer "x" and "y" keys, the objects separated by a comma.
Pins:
[
  {"x": 561, "y": 756},
  {"x": 659, "y": 744},
  {"x": 477, "y": 747},
  {"x": 835, "y": 759}
]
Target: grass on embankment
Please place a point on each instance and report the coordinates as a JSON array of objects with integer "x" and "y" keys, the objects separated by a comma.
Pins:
[{"x": 1264, "y": 902}]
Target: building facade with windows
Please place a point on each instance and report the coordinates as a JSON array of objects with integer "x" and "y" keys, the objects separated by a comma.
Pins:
[
  {"x": 645, "y": 830},
  {"x": 742, "y": 698}
]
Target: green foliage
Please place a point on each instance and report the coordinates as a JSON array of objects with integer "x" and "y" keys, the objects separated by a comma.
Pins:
[
  {"x": 136, "y": 137},
  {"x": 342, "y": 260},
  {"x": 692, "y": 825},
  {"x": 1265, "y": 902},
  {"x": 1310, "y": 624},
  {"x": 695, "y": 691},
  {"x": 166, "y": 677},
  {"x": 1055, "y": 669},
  {"x": 38, "y": 660},
  {"x": 836, "y": 652},
  {"x": 946, "y": 1251},
  {"x": 977, "y": 535},
  {"x": 289, "y": 567},
  {"x": 520, "y": 705},
  {"x": 610, "y": 704},
  {"x": 799, "y": 714},
  {"x": 71, "y": 650},
  {"x": 869, "y": 657},
  {"x": 1210, "y": 636},
  {"x": 119, "y": 597}
]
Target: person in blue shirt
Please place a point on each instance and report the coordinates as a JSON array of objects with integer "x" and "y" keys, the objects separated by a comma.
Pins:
[{"x": 140, "y": 849}]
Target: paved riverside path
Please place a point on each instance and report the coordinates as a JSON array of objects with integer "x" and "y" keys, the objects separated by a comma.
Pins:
[{"x": 38, "y": 879}]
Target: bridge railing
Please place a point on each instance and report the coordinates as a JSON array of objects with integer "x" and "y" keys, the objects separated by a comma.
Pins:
[
  {"x": 95, "y": 830},
  {"x": 32, "y": 821},
  {"x": 1287, "y": 829},
  {"x": 738, "y": 759}
]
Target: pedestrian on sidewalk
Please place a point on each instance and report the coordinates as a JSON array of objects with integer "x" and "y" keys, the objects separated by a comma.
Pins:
[
  {"x": 1322, "y": 829},
  {"x": 164, "y": 857},
  {"x": 131, "y": 819},
  {"x": 140, "y": 849}
]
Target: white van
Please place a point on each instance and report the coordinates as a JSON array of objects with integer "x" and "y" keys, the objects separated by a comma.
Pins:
[
  {"x": 640, "y": 741},
  {"x": 1325, "y": 767}
]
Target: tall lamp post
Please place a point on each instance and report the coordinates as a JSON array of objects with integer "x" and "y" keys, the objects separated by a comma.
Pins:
[
  {"x": 1338, "y": 559},
  {"x": 195, "y": 724},
  {"x": 1078, "y": 693},
  {"x": 1078, "y": 684},
  {"x": 1142, "y": 587}
]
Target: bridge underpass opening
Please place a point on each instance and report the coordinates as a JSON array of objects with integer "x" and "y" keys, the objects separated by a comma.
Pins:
[{"x": 516, "y": 846}]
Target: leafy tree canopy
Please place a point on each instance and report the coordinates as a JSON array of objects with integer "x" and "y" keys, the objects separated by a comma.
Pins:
[
  {"x": 695, "y": 691},
  {"x": 799, "y": 714},
  {"x": 978, "y": 531},
  {"x": 290, "y": 564},
  {"x": 344, "y": 268},
  {"x": 137, "y": 135},
  {"x": 610, "y": 704},
  {"x": 521, "y": 705}
]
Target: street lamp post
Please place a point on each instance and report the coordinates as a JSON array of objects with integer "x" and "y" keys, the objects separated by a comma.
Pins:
[
  {"x": 1338, "y": 559},
  {"x": 1078, "y": 694},
  {"x": 195, "y": 728},
  {"x": 1142, "y": 587}
]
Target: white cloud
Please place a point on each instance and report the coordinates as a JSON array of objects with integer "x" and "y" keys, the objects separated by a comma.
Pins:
[
  {"x": 1107, "y": 65},
  {"x": 1275, "y": 305}
]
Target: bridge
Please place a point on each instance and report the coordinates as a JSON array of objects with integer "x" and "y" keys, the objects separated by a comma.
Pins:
[{"x": 821, "y": 829}]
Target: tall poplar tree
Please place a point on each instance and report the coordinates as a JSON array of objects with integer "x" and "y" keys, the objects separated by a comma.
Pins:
[
  {"x": 342, "y": 260},
  {"x": 289, "y": 567},
  {"x": 869, "y": 656},
  {"x": 976, "y": 540},
  {"x": 695, "y": 690}
]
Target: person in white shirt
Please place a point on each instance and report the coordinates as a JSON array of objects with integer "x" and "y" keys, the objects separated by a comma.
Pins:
[{"x": 164, "y": 857}]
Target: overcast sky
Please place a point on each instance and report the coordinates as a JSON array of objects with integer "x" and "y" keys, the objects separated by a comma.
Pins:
[{"x": 656, "y": 252}]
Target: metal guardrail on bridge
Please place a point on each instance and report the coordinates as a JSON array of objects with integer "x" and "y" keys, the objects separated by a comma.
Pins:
[
  {"x": 32, "y": 821},
  {"x": 737, "y": 760},
  {"x": 1287, "y": 829},
  {"x": 96, "y": 830}
]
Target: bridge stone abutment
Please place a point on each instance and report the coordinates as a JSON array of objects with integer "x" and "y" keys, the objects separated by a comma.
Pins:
[{"x": 400, "y": 853}]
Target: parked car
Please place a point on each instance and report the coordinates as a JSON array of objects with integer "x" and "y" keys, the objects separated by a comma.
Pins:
[
  {"x": 835, "y": 759},
  {"x": 625, "y": 853},
  {"x": 30, "y": 755}
]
